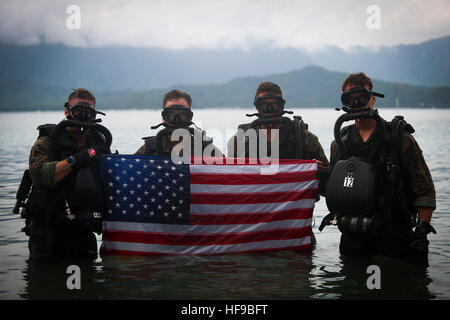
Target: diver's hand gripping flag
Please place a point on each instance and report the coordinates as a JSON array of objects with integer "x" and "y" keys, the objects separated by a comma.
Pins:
[{"x": 154, "y": 206}]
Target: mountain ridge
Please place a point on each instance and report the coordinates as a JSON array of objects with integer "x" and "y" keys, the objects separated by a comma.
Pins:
[
  {"x": 311, "y": 86},
  {"x": 137, "y": 69}
]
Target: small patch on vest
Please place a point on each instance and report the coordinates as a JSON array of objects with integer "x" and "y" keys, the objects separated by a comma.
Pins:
[
  {"x": 97, "y": 215},
  {"x": 348, "y": 181}
]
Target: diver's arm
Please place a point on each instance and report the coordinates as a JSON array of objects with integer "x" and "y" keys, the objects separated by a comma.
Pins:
[
  {"x": 81, "y": 159},
  {"x": 419, "y": 178},
  {"x": 44, "y": 168},
  {"x": 141, "y": 151},
  {"x": 62, "y": 170},
  {"x": 42, "y": 162},
  {"x": 425, "y": 213},
  {"x": 314, "y": 151}
]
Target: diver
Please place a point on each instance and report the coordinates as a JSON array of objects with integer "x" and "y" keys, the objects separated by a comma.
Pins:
[
  {"x": 295, "y": 140},
  {"x": 62, "y": 187},
  {"x": 380, "y": 192},
  {"x": 177, "y": 114}
]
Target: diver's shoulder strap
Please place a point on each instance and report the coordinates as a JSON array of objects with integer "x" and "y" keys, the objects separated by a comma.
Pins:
[
  {"x": 150, "y": 145},
  {"x": 46, "y": 130},
  {"x": 396, "y": 133},
  {"x": 397, "y": 129},
  {"x": 345, "y": 135},
  {"x": 245, "y": 126},
  {"x": 345, "y": 132},
  {"x": 97, "y": 137},
  {"x": 300, "y": 128}
]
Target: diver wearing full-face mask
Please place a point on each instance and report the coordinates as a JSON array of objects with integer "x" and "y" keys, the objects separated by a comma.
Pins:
[
  {"x": 176, "y": 114},
  {"x": 64, "y": 206},
  {"x": 380, "y": 192},
  {"x": 295, "y": 140}
]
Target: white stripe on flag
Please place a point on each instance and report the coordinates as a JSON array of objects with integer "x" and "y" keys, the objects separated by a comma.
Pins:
[
  {"x": 249, "y": 169},
  {"x": 208, "y": 249},
  {"x": 248, "y": 208},
  {"x": 257, "y": 188},
  {"x": 203, "y": 229}
]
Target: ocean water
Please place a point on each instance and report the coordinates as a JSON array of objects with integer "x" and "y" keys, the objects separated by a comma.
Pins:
[{"x": 320, "y": 274}]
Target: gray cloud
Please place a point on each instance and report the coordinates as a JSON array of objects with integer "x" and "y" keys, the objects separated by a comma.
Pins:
[{"x": 223, "y": 24}]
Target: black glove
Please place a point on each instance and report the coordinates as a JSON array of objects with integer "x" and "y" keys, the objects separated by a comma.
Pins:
[
  {"x": 84, "y": 158},
  {"x": 424, "y": 227},
  {"x": 420, "y": 242}
]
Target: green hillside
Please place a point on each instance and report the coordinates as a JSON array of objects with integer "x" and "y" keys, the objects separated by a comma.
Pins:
[{"x": 308, "y": 87}]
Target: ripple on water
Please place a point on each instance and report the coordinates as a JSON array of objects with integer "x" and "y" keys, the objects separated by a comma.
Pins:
[{"x": 320, "y": 275}]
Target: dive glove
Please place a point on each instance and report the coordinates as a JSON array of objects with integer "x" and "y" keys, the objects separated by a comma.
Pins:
[
  {"x": 83, "y": 158},
  {"x": 420, "y": 242},
  {"x": 424, "y": 227}
]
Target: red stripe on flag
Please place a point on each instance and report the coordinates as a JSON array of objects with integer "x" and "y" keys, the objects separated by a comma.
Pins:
[
  {"x": 244, "y": 161},
  {"x": 104, "y": 251},
  {"x": 249, "y": 218},
  {"x": 240, "y": 178},
  {"x": 251, "y": 198},
  {"x": 206, "y": 239}
]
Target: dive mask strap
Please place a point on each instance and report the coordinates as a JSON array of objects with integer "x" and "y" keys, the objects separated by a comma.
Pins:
[
  {"x": 377, "y": 94},
  {"x": 167, "y": 126},
  {"x": 259, "y": 115},
  {"x": 159, "y": 125}
]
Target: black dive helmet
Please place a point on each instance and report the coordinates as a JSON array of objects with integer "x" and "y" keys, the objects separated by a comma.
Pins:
[
  {"x": 353, "y": 188},
  {"x": 84, "y": 192}
]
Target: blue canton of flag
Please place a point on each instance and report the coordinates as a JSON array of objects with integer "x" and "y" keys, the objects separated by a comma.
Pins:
[{"x": 148, "y": 189}]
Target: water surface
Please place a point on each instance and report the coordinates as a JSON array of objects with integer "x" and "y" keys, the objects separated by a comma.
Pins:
[{"x": 321, "y": 274}]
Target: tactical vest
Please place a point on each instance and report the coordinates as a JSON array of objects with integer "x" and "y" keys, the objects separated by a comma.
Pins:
[
  {"x": 64, "y": 144},
  {"x": 80, "y": 190},
  {"x": 152, "y": 147},
  {"x": 291, "y": 138},
  {"x": 365, "y": 189}
]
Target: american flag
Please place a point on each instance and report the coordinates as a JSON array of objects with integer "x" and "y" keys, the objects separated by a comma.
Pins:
[{"x": 154, "y": 206}]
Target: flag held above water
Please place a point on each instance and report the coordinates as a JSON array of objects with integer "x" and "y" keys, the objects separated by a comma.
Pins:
[{"x": 154, "y": 206}]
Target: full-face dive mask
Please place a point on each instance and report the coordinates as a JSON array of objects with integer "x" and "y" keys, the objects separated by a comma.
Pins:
[
  {"x": 177, "y": 116},
  {"x": 82, "y": 111},
  {"x": 270, "y": 104},
  {"x": 358, "y": 97}
]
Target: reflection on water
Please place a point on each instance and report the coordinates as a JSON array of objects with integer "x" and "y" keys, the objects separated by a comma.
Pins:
[
  {"x": 280, "y": 275},
  {"x": 270, "y": 276},
  {"x": 321, "y": 274},
  {"x": 399, "y": 280}
]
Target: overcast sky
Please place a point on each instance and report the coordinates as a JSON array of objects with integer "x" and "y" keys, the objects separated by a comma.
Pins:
[{"x": 178, "y": 24}]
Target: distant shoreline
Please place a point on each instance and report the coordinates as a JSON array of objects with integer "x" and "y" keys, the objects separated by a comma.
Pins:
[{"x": 200, "y": 108}]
